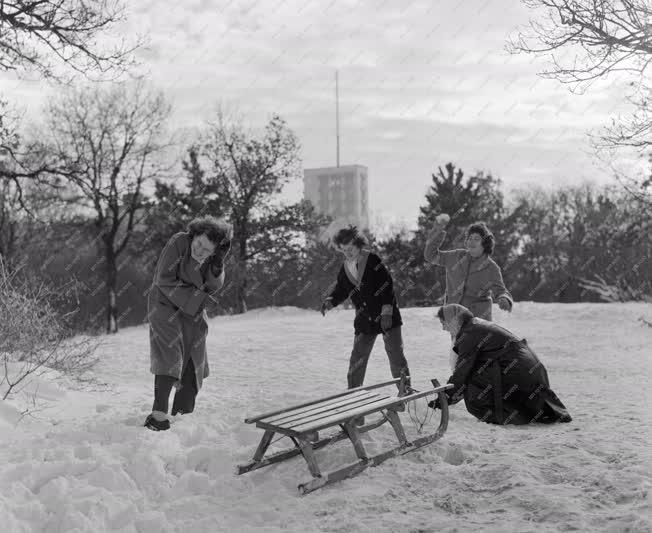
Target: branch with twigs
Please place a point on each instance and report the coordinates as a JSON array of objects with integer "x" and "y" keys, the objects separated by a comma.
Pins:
[
  {"x": 44, "y": 35},
  {"x": 34, "y": 340}
]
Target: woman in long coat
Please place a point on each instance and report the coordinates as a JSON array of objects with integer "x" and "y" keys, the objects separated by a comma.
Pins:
[
  {"x": 190, "y": 270},
  {"x": 500, "y": 378},
  {"x": 473, "y": 279}
]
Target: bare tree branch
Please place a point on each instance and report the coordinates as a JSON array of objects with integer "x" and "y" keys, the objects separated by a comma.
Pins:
[
  {"x": 45, "y": 35},
  {"x": 607, "y": 36},
  {"x": 610, "y": 33}
]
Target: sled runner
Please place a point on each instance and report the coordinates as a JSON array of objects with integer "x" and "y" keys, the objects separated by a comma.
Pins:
[{"x": 301, "y": 422}]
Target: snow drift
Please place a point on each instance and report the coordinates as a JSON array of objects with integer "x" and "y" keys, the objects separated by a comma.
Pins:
[{"x": 85, "y": 463}]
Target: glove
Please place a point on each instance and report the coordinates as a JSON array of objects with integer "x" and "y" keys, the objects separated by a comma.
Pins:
[
  {"x": 434, "y": 404},
  {"x": 224, "y": 247},
  {"x": 216, "y": 260},
  {"x": 216, "y": 264},
  {"x": 504, "y": 304},
  {"x": 386, "y": 322},
  {"x": 326, "y": 306}
]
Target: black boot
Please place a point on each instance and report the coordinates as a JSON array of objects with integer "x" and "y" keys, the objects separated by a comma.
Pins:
[
  {"x": 156, "y": 425},
  {"x": 184, "y": 397}
]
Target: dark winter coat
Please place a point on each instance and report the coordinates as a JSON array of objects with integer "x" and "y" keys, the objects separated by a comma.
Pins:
[
  {"x": 372, "y": 294},
  {"x": 175, "y": 304},
  {"x": 500, "y": 378}
]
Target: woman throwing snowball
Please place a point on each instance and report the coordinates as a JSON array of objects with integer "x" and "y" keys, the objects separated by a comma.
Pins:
[{"x": 473, "y": 279}]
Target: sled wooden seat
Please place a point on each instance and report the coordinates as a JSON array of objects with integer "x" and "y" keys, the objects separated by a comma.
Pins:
[{"x": 301, "y": 422}]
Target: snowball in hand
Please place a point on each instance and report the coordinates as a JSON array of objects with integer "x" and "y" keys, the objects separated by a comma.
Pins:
[{"x": 443, "y": 218}]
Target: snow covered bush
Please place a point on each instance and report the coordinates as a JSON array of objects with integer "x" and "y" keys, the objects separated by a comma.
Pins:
[{"x": 34, "y": 338}]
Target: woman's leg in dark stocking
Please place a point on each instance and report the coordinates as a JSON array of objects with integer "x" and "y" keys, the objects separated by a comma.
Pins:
[
  {"x": 184, "y": 398},
  {"x": 162, "y": 388},
  {"x": 157, "y": 420}
]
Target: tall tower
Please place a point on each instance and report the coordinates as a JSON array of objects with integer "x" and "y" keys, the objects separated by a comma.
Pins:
[{"x": 340, "y": 191}]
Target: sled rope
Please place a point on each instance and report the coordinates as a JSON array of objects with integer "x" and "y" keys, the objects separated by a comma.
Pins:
[{"x": 418, "y": 423}]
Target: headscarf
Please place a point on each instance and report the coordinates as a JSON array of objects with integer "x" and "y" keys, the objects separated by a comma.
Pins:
[{"x": 454, "y": 316}]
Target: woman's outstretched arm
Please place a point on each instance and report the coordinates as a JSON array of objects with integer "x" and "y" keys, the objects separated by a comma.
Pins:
[
  {"x": 434, "y": 240},
  {"x": 432, "y": 252},
  {"x": 498, "y": 289}
]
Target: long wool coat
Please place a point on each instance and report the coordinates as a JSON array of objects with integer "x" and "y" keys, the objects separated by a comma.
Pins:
[
  {"x": 501, "y": 379},
  {"x": 372, "y": 294},
  {"x": 175, "y": 304},
  {"x": 473, "y": 283}
]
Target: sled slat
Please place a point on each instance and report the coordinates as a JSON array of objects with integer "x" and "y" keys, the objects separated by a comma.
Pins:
[
  {"x": 318, "y": 408},
  {"x": 338, "y": 414},
  {"x": 363, "y": 410},
  {"x": 335, "y": 416},
  {"x": 319, "y": 400}
]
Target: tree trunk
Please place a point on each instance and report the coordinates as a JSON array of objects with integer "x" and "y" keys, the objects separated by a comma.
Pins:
[
  {"x": 111, "y": 283},
  {"x": 241, "y": 275},
  {"x": 241, "y": 288}
]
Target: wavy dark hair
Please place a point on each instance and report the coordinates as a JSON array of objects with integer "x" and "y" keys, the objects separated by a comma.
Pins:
[
  {"x": 350, "y": 235},
  {"x": 218, "y": 230},
  {"x": 488, "y": 239}
]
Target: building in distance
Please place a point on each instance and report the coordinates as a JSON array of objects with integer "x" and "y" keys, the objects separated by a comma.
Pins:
[{"x": 340, "y": 192}]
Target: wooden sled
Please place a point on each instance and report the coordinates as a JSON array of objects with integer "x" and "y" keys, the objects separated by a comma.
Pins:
[{"x": 300, "y": 422}]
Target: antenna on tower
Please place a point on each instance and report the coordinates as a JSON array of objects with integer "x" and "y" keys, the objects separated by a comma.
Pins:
[{"x": 337, "y": 117}]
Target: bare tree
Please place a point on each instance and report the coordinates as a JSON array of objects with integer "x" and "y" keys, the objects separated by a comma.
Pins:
[
  {"x": 23, "y": 169},
  {"x": 635, "y": 128},
  {"x": 53, "y": 37},
  {"x": 42, "y": 35},
  {"x": 612, "y": 35},
  {"x": 247, "y": 173},
  {"x": 109, "y": 143},
  {"x": 590, "y": 39}
]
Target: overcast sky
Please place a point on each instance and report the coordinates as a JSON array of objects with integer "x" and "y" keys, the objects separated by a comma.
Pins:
[{"x": 422, "y": 83}]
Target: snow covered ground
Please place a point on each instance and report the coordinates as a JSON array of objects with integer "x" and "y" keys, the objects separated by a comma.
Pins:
[{"x": 86, "y": 464}]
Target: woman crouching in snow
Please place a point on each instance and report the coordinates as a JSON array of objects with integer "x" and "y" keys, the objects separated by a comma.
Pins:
[
  {"x": 500, "y": 378},
  {"x": 190, "y": 269}
]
